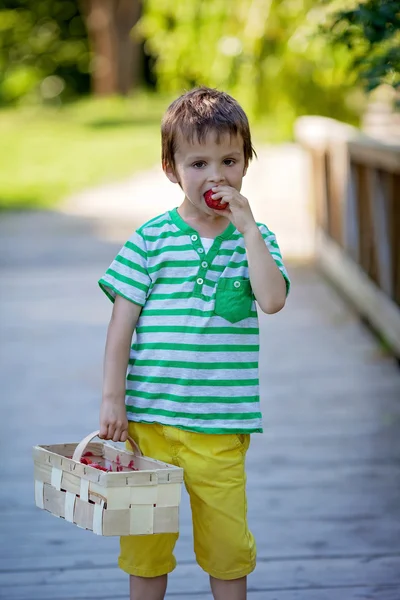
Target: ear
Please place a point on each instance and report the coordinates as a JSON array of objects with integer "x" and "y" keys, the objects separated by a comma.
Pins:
[
  {"x": 170, "y": 172},
  {"x": 245, "y": 170}
]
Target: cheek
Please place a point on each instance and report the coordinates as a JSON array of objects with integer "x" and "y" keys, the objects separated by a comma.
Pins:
[
  {"x": 192, "y": 177},
  {"x": 236, "y": 176}
]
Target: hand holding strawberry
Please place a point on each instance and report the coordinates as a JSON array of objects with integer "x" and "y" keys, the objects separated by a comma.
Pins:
[{"x": 231, "y": 204}]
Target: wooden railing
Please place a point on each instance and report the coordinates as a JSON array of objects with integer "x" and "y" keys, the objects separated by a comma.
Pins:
[{"x": 355, "y": 182}]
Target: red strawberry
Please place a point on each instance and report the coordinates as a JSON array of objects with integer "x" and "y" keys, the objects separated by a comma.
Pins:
[{"x": 215, "y": 204}]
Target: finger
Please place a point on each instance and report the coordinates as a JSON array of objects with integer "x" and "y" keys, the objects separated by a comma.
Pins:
[
  {"x": 117, "y": 434},
  {"x": 103, "y": 431},
  {"x": 124, "y": 436},
  {"x": 219, "y": 195},
  {"x": 110, "y": 431}
]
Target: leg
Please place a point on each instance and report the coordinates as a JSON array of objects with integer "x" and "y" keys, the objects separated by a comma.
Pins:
[
  {"x": 148, "y": 558},
  {"x": 215, "y": 478},
  {"x": 235, "y": 589},
  {"x": 148, "y": 588}
]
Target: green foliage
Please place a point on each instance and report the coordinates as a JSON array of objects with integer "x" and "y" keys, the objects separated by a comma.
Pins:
[
  {"x": 47, "y": 152},
  {"x": 371, "y": 32},
  {"x": 262, "y": 51},
  {"x": 44, "y": 51}
]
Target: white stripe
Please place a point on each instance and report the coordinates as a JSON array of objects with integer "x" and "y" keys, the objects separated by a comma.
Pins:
[
  {"x": 185, "y": 391},
  {"x": 180, "y": 355},
  {"x": 84, "y": 490},
  {"x": 187, "y": 373},
  {"x": 56, "y": 476},
  {"x": 69, "y": 506},
  {"x": 206, "y": 339},
  {"x": 193, "y": 321},
  {"x": 39, "y": 493},
  {"x": 197, "y": 407},
  {"x": 98, "y": 518}
]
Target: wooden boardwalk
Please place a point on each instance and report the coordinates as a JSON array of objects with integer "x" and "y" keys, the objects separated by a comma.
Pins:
[{"x": 323, "y": 481}]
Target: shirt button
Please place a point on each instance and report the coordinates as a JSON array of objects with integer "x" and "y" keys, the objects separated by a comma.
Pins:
[
  {"x": 200, "y": 281},
  {"x": 194, "y": 238},
  {"x": 204, "y": 264},
  {"x": 200, "y": 250},
  {"x": 237, "y": 284}
]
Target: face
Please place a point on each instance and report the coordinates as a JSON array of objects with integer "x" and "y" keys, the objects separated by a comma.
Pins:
[{"x": 199, "y": 167}]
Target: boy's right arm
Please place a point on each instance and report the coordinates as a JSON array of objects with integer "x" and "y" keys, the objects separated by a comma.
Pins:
[{"x": 113, "y": 420}]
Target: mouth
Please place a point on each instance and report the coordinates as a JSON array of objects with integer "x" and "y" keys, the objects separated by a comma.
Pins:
[{"x": 214, "y": 204}]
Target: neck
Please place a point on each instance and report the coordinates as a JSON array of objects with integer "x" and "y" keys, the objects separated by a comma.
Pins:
[{"x": 188, "y": 212}]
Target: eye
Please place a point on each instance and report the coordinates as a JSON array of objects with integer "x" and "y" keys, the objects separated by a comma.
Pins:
[
  {"x": 229, "y": 162},
  {"x": 198, "y": 165}
]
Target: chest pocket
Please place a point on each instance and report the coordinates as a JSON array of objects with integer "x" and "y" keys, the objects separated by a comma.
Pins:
[{"x": 234, "y": 298}]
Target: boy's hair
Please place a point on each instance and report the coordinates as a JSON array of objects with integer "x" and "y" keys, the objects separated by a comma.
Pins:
[{"x": 196, "y": 113}]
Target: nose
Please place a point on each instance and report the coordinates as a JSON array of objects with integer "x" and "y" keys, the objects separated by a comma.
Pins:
[{"x": 216, "y": 176}]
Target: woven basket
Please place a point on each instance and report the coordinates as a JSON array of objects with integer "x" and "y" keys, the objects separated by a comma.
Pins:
[{"x": 140, "y": 496}]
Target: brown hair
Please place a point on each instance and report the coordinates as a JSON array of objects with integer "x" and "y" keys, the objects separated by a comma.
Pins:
[{"x": 196, "y": 113}]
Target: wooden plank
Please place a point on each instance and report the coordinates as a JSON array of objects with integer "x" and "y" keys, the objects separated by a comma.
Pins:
[
  {"x": 370, "y": 301},
  {"x": 379, "y": 210},
  {"x": 351, "y": 234},
  {"x": 276, "y": 574},
  {"x": 375, "y": 154}
]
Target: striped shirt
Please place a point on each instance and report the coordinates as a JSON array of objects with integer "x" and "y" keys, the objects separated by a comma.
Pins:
[{"x": 194, "y": 358}]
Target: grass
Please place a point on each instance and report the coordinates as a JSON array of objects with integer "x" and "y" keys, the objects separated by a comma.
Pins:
[{"x": 47, "y": 153}]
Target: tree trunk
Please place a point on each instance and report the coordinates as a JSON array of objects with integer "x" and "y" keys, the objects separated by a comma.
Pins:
[
  {"x": 116, "y": 55},
  {"x": 127, "y": 15}
]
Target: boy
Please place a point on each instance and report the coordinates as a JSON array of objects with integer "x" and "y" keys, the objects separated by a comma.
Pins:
[{"x": 187, "y": 281}]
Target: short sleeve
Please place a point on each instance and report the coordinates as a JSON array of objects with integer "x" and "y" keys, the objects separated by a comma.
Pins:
[
  {"x": 272, "y": 245},
  {"x": 127, "y": 275}
]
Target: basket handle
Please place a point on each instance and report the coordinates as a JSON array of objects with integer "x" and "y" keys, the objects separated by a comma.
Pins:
[{"x": 80, "y": 449}]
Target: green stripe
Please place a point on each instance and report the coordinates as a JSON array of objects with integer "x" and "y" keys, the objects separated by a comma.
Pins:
[
  {"x": 175, "y": 280},
  {"x": 235, "y": 265},
  {"x": 191, "y": 312},
  {"x": 179, "y": 296},
  {"x": 127, "y": 280},
  {"x": 230, "y": 252},
  {"x": 217, "y": 268},
  {"x": 195, "y": 382},
  {"x": 135, "y": 248},
  {"x": 130, "y": 264},
  {"x": 197, "y": 347},
  {"x": 180, "y": 364},
  {"x": 192, "y": 399},
  {"x": 173, "y": 264},
  {"x": 104, "y": 285},
  {"x": 202, "y": 330},
  {"x": 205, "y": 417}
]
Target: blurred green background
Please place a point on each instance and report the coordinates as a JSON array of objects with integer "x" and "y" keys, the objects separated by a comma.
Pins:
[{"x": 83, "y": 85}]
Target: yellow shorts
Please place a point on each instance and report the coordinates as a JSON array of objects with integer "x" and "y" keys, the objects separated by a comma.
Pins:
[{"x": 215, "y": 479}]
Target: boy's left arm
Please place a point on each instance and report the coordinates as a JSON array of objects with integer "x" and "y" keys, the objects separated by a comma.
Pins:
[{"x": 268, "y": 284}]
